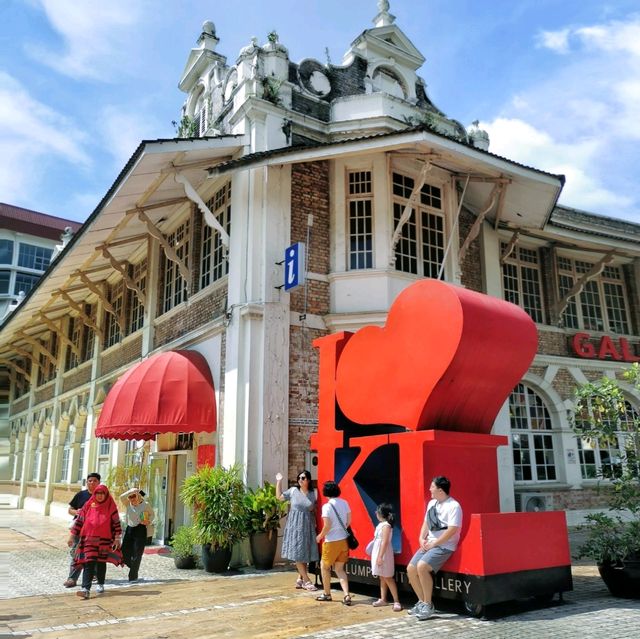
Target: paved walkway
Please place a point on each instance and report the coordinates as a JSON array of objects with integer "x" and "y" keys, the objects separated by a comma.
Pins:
[{"x": 178, "y": 604}]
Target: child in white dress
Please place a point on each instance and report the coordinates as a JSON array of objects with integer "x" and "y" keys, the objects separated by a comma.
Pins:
[{"x": 382, "y": 560}]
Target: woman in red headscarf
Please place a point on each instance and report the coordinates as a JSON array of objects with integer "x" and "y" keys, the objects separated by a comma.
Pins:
[{"x": 98, "y": 532}]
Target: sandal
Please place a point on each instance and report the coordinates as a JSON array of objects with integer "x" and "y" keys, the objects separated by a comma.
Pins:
[
  {"x": 309, "y": 586},
  {"x": 299, "y": 583},
  {"x": 324, "y": 597},
  {"x": 379, "y": 603},
  {"x": 346, "y": 600},
  {"x": 397, "y": 607}
]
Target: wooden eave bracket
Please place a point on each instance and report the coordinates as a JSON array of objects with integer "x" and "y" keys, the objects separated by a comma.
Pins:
[
  {"x": 475, "y": 229},
  {"x": 39, "y": 345},
  {"x": 12, "y": 364},
  {"x": 121, "y": 267},
  {"x": 209, "y": 217},
  {"x": 408, "y": 209},
  {"x": 26, "y": 354},
  {"x": 56, "y": 328},
  {"x": 561, "y": 305},
  {"x": 86, "y": 320},
  {"x": 94, "y": 288},
  {"x": 510, "y": 247},
  {"x": 169, "y": 251}
]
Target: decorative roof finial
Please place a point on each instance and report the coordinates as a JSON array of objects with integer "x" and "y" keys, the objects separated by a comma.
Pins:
[{"x": 384, "y": 18}]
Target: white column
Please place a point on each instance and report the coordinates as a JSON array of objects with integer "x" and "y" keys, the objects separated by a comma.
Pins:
[
  {"x": 255, "y": 424},
  {"x": 502, "y": 426}
]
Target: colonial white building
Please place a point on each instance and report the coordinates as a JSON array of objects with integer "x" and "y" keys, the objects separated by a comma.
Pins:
[{"x": 185, "y": 251}]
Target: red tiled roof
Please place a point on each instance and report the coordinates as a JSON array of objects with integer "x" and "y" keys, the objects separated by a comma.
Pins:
[{"x": 16, "y": 218}]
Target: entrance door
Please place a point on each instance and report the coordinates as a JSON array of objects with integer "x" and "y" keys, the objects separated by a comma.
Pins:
[{"x": 158, "y": 495}]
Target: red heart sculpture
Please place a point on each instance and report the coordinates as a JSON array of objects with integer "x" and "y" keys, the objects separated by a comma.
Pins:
[{"x": 447, "y": 358}]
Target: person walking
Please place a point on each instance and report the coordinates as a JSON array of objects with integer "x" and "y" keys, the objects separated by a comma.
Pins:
[
  {"x": 382, "y": 559},
  {"x": 439, "y": 536},
  {"x": 78, "y": 501},
  {"x": 299, "y": 539},
  {"x": 336, "y": 517},
  {"x": 139, "y": 516},
  {"x": 96, "y": 533}
]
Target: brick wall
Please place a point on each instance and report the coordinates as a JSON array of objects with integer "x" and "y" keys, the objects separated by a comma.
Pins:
[
  {"x": 585, "y": 498},
  {"x": 309, "y": 194},
  {"x": 77, "y": 378},
  {"x": 195, "y": 314},
  {"x": 20, "y": 404},
  {"x": 553, "y": 343},
  {"x": 44, "y": 393},
  {"x": 471, "y": 266},
  {"x": 129, "y": 351}
]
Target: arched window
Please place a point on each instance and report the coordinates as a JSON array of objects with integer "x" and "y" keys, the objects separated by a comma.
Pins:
[
  {"x": 531, "y": 439},
  {"x": 606, "y": 459}
]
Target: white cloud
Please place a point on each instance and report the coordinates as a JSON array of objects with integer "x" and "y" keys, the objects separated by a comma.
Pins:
[
  {"x": 96, "y": 36},
  {"x": 557, "y": 41},
  {"x": 123, "y": 130},
  {"x": 30, "y": 134},
  {"x": 583, "y": 118},
  {"x": 520, "y": 141}
]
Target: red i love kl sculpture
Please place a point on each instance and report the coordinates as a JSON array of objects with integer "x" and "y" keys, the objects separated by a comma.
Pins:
[{"x": 417, "y": 398}]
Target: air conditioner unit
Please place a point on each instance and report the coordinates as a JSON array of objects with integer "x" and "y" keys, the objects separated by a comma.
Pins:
[{"x": 533, "y": 502}]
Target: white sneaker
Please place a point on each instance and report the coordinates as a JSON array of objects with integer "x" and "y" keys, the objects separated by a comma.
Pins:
[
  {"x": 415, "y": 609},
  {"x": 99, "y": 589},
  {"x": 425, "y": 612}
]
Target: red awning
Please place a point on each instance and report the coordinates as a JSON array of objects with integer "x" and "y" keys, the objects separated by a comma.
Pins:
[{"x": 168, "y": 393}]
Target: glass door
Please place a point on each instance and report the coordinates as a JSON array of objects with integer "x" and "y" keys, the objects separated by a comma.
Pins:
[{"x": 158, "y": 496}]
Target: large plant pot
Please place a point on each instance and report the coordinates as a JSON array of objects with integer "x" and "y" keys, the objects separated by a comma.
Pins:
[
  {"x": 215, "y": 560},
  {"x": 263, "y": 549},
  {"x": 185, "y": 563},
  {"x": 622, "y": 578}
]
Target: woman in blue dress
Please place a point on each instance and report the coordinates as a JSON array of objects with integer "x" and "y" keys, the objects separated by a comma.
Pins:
[{"x": 299, "y": 540}]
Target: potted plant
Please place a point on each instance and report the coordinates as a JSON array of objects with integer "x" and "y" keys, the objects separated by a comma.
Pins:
[
  {"x": 602, "y": 415},
  {"x": 219, "y": 514},
  {"x": 182, "y": 545},
  {"x": 264, "y": 512}
]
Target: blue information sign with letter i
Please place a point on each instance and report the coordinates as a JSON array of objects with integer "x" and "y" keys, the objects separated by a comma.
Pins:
[{"x": 294, "y": 271}]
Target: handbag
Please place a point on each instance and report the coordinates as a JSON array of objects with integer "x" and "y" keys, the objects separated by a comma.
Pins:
[{"x": 352, "y": 542}]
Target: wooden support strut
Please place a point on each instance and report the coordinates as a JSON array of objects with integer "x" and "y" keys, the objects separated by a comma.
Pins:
[
  {"x": 509, "y": 248},
  {"x": 37, "y": 344},
  {"x": 126, "y": 278},
  {"x": 475, "y": 229},
  {"x": 169, "y": 251},
  {"x": 408, "y": 209},
  {"x": 12, "y": 364},
  {"x": 561, "y": 305},
  {"x": 27, "y": 354},
  {"x": 94, "y": 288},
  {"x": 57, "y": 329},
  {"x": 86, "y": 320}
]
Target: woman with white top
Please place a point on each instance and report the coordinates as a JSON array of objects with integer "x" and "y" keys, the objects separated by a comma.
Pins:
[
  {"x": 139, "y": 516},
  {"x": 336, "y": 517}
]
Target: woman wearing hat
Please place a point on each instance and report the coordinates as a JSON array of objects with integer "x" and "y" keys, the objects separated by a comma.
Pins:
[{"x": 139, "y": 516}]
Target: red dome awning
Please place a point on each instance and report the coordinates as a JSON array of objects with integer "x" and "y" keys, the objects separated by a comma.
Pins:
[{"x": 168, "y": 393}]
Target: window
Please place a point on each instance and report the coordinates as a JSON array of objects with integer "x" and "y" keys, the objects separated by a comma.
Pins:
[
  {"x": 81, "y": 454},
  {"x": 5, "y": 276},
  {"x": 601, "y": 305},
  {"x": 521, "y": 281},
  {"x": 175, "y": 288},
  {"x": 532, "y": 444},
  {"x": 24, "y": 283},
  {"x": 213, "y": 264},
  {"x": 420, "y": 249},
  {"x": 359, "y": 203},
  {"x": 82, "y": 337},
  {"x": 136, "y": 314},
  {"x": 184, "y": 441},
  {"x": 605, "y": 460},
  {"x": 47, "y": 368},
  {"x": 35, "y": 471},
  {"x": 34, "y": 257},
  {"x": 66, "y": 457},
  {"x": 104, "y": 457},
  {"x": 6, "y": 251},
  {"x": 113, "y": 333}
]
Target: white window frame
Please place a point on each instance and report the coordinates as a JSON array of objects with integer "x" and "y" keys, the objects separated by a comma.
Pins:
[
  {"x": 359, "y": 210},
  {"x": 213, "y": 263},
  {"x": 524, "y": 259}
]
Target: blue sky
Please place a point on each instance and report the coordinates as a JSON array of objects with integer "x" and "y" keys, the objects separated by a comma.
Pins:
[{"x": 555, "y": 82}]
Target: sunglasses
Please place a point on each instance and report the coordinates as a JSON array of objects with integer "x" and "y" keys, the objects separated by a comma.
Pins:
[{"x": 302, "y": 477}]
